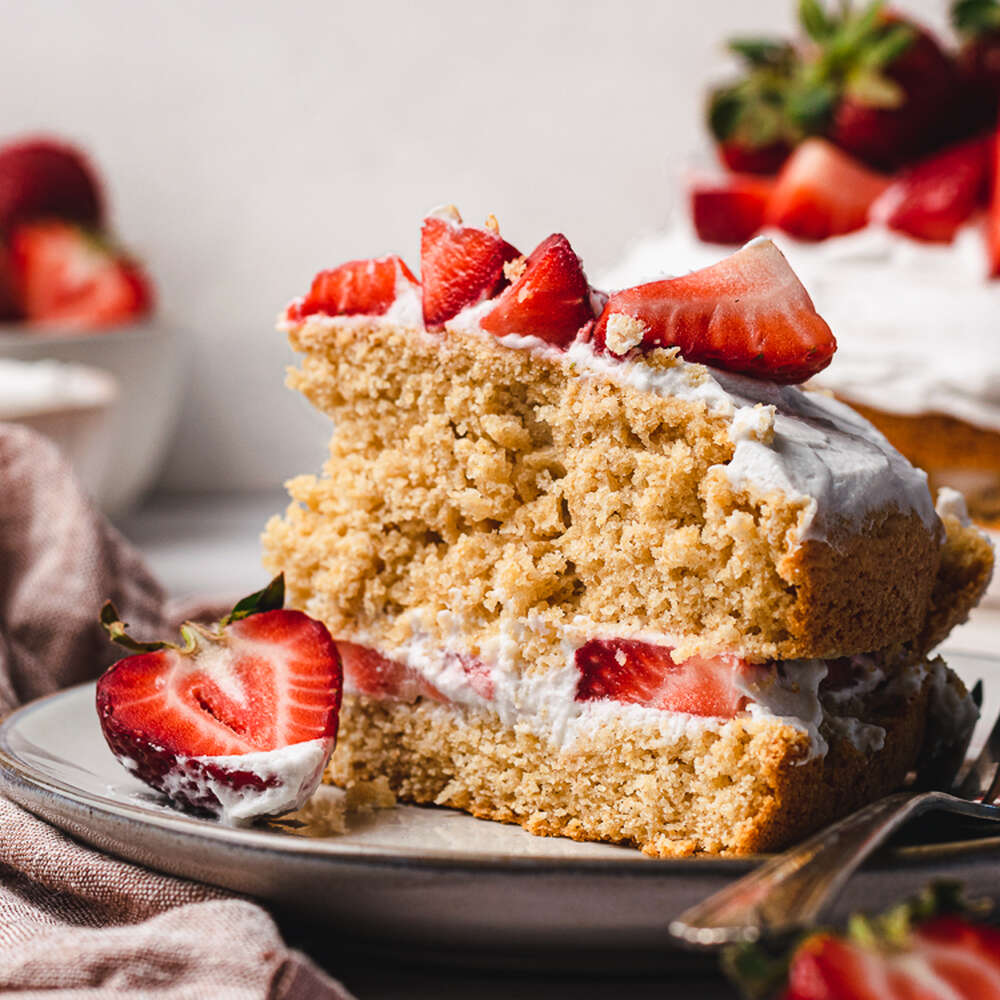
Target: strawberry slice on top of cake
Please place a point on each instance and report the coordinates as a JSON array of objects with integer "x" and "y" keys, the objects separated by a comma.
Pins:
[{"x": 597, "y": 565}]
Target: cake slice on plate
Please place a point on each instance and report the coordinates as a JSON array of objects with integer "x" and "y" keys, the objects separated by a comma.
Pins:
[{"x": 598, "y": 566}]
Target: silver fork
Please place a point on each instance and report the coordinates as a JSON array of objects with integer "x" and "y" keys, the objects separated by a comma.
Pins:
[{"x": 794, "y": 889}]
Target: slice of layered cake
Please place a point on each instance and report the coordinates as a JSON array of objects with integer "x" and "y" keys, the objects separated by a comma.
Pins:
[{"x": 598, "y": 566}]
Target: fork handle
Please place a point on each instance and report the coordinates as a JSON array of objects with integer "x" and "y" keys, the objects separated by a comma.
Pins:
[{"x": 792, "y": 890}]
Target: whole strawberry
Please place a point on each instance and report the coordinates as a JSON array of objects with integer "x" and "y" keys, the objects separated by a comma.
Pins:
[
  {"x": 239, "y": 721},
  {"x": 880, "y": 86},
  {"x": 751, "y": 118},
  {"x": 977, "y": 23},
  {"x": 932, "y": 947},
  {"x": 44, "y": 178}
]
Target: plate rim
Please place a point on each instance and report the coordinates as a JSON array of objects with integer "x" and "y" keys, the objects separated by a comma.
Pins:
[{"x": 18, "y": 775}]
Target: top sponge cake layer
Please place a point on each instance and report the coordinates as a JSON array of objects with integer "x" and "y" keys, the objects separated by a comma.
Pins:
[{"x": 489, "y": 481}]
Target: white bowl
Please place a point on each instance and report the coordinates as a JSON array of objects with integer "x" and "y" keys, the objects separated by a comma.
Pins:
[
  {"x": 71, "y": 404},
  {"x": 145, "y": 361}
]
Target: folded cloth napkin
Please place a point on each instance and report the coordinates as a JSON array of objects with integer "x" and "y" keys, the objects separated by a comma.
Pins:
[{"x": 73, "y": 921}]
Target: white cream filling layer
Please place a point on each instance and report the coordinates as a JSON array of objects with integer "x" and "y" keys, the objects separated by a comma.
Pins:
[
  {"x": 291, "y": 774},
  {"x": 544, "y": 703}
]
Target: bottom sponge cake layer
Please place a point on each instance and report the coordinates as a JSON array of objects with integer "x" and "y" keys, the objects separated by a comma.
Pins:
[{"x": 737, "y": 787}]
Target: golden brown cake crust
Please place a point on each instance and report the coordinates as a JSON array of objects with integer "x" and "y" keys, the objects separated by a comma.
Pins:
[
  {"x": 473, "y": 478},
  {"x": 741, "y": 790}
]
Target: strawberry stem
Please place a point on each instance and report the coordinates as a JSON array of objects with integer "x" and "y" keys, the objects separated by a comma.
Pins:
[
  {"x": 116, "y": 629},
  {"x": 270, "y": 598}
]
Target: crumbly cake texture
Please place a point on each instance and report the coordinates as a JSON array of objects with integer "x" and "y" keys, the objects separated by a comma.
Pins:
[
  {"x": 951, "y": 451},
  {"x": 480, "y": 481},
  {"x": 472, "y": 485},
  {"x": 739, "y": 789}
]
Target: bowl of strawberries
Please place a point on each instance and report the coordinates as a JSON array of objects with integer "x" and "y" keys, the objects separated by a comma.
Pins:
[{"x": 69, "y": 292}]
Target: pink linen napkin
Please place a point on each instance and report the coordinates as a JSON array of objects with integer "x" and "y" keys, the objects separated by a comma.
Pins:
[{"x": 74, "y": 921}]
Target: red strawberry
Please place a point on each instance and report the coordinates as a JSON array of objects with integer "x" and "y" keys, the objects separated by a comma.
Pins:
[
  {"x": 550, "y": 299},
  {"x": 459, "y": 265},
  {"x": 9, "y": 307},
  {"x": 932, "y": 947},
  {"x": 729, "y": 210},
  {"x": 45, "y": 178},
  {"x": 237, "y": 723},
  {"x": 822, "y": 192},
  {"x": 67, "y": 277},
  {"x": 978, "y": 23},
  {"x": 359, "y": 287},
  {"x": 881, "y": 84},
  {"x": 639, "y": 673},
  {"x": 993, "y": 218},
  {"x": 368, "y": 672},
  {"x": 749, "y": 314},
  {"x": 931, "y": 200},
  {"x": 742, "y": 158}
]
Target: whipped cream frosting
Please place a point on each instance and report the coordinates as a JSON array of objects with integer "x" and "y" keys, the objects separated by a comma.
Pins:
[
  {"x": 544, "y": 703},
  {"x": 917, "y": 324}
]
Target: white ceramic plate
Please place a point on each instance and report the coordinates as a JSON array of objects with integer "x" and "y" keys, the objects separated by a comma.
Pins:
[{"x": 429, "y": 881}]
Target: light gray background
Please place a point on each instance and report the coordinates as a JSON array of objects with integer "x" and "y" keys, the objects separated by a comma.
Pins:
[{"x": 247, "y": 144}]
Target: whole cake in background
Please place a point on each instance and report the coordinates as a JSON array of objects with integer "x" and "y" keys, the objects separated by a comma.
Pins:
[
  {"x": 868, "y": 148},
  {"x": 59, "y": 266},
  {"x": 598, "y": 566}
]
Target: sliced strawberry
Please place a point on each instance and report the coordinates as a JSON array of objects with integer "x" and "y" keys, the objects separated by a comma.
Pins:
[
  {"x": 748, "y": 314},
  {"x": 359, "y": 287},
  {"x": 822, "y": 192},
  {"x": 639, "y": 673},
  {"x": 731, "y": 209},
  {"x": 46, "y": 178},
  {"x": 206, "y": 723},
  {"x": 68, "y": 277},
  {"x": 459, "y": 266},
  {"x": 550, "y": 300},
  {"x": 10, "y": 308},
  {"x": 993, "y": 217},
  {"x": 743, "y": 158},
  {"x": 368, "y": 672},
  {"x": 931, "y": 200}
]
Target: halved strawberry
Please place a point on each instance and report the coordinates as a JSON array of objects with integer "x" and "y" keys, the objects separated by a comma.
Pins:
[
  {"x": 748, "y": 314},
  {"x": 359, "y": 287},
  {"x": 934, "y": 946},
  {"x": 550, "y": 299},
  {"x": 459, "y": 265},
  {"x": 931, "y": 200},
  {"x": 730, "y": 209},
  {"x": 68, "y": 277},
  {"x": 993, "y": 217},
  {"x": 640, "y": 673},
  {"x": 822, "y": 192},
  {"x": 238, "y": 722},
  {"x": 42, "y": 178}
]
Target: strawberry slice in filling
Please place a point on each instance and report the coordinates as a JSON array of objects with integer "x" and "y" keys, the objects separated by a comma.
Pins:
[{"x": 640, "y": 673}]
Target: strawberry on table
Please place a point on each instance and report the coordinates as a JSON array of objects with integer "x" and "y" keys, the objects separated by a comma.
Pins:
[
  {"x": 359, "y": 287},
  {"x": 933, "y": 947},
  {"x": 747, "y": 314},
  {"x": 550, "y": 299},
  {"x": 730, "y": 209},
  {"x": 459, "y": 265},
  {"x": 932, "y": 199},
  {"x": 239, "y": 721},
  {"x": 43, "y": 178},
  {"x": 640, "y": 673},
  {"x": 822, "y": 192},
  {"x": 69, "y": 277}
]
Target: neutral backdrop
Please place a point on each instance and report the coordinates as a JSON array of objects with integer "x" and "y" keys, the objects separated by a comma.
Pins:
[{"x": 247, "y": 144}]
